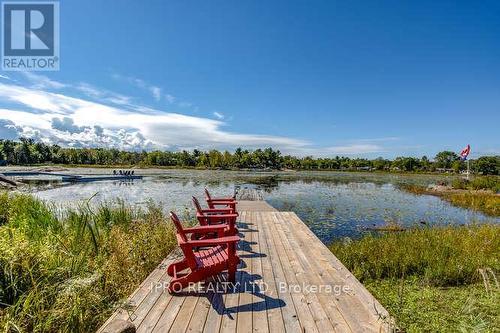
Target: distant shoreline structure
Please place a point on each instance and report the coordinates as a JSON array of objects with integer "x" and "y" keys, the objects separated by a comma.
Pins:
[{"x": 29, "y": 152}]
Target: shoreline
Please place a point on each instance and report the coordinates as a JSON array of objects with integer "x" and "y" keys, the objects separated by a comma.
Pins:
[
  {"x": 65, "y": 167},
  {"x": 482, "y": 200}
]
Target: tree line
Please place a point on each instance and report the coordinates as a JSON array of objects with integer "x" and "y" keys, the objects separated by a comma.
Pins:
[{"x": 28, "y": 151}]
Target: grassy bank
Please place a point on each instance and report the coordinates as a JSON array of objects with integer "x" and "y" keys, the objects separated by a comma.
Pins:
[
  {"x": 491, "y": 183},
  {"x": 66, "y": 271},
  {"x": 481, "y": 201},
  {"x": 480, "y": 193},
  {"x": 487, "y": 203},
  {"x": 441, "y": 279}
]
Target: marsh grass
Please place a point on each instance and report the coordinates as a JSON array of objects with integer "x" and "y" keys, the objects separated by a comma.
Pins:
[
  {"x": 491, "y": 183},
  {"x": 467, "y": 195},
  {"x": 67, "y": 271},
  {"x": 414, "y": 188},
  {"x": 433, "y": 278},
  {"x": 488, "y": 203},
  {"x": 423, "y": 308}
]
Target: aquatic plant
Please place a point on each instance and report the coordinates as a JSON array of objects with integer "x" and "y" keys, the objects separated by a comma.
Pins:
[
  {"x": 491, "y": 183},
  {"x": 442, "y": 256},
  {"x": 432, "y": 279},
  {"x": 487, "y": 203},
  {"x": 66, "y": 271},
  {"x": 465, "y": 195}
]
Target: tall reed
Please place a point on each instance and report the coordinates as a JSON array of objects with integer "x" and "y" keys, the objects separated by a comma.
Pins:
[
  {"x": 434, "y": 279},
  {"x": 67, "y": 270},
  {"x": 441, "y": 256}
]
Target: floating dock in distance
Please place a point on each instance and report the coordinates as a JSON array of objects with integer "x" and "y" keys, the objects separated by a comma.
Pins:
[
  {"x": 288, "y": 281},
  {"x": 72, "y": 178},
  {"x": 34, "y": 173},
  {"x": 81, "y": 179}
]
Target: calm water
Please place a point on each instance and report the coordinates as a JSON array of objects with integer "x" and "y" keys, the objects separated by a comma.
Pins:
[{"x": 333, "y": 204}]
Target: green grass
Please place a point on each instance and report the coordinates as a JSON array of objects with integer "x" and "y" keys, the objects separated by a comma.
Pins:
[
  {"x": 478, "y": 197},
  {"x": 491, "y": 183},
  {"x": 479, "y": 194},
  {"x": 487, "y": 203},
  {"x": 67, "y": 271},
  {"x": 423, "y": 308},
  {"x": 441, "y": 279}
]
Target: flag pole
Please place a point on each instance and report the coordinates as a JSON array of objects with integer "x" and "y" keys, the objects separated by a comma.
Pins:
[
  {"x": 463, "y": 156},
  {"x": 468, "y": 170}
]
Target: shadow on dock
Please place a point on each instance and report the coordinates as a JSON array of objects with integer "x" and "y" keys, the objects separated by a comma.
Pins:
[
  {"x": 218, "y": 288},
  {"x": 287, "y": 281}
]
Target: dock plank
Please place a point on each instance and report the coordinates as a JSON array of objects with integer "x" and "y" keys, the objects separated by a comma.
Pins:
[
  {"x": 259, "y": 304},
  {"x": 273, "y": 310},
  {"x": 200, "y": 313},
  {"x": 244, "y": 313},
  {"x": 278, "y": 251},
  {"x": 370, "y": 314},
  {"x": 309, "y": 314},
  {"x": 315, "y": 274},
  {"x": 288, "y": 311}
]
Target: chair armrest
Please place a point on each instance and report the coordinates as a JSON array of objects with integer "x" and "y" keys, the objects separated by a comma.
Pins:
[
  {"x": 222, "y": 204},
  {"x": 212, "y": 242},
  {"x": 217, "y": 210},
  {"x": 222, "y": 200},
  {"x": 204, "y": 229},
  {"x": 221, "y": 216}
]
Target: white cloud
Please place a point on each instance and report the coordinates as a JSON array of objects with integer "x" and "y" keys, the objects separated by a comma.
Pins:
[
  {"x": 185, "y": 104},
  {"x": 8, "y": 130},
  {"x": 155, "y": 91},
  {"x": 355, "y": 148},
  {"x": 5, "y": 77},
  {"x": 42, "y": 82},
  {"x": 89, "y": 90},
  {"x": 103, "y": 94},
  {"x": 66, "y": 124},
  {"x": 218, "y": 115},
  {"x": 169, "y": 98},
  {"x": 384, "y": 139},
  {"x": 73, "y": 121},
  {"x": 70, "y": 121}
]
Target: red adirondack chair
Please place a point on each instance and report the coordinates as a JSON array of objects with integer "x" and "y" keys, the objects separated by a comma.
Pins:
[
  {"x": 216, "y": 256},
  {"x": 224, "y": 202},
  {"x": 213, "y": 216}
]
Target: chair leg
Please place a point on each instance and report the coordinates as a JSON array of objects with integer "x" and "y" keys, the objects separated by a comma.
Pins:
[
  {"x": 231, "y": 271},
  {"x": 176, "y": 285},
  {"x": 176, "y": 267}
]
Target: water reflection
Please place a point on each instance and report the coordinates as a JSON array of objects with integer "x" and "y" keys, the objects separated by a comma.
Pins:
[
  {"x": 333, "y": 205},
  {"x": 348, "y": 210}
]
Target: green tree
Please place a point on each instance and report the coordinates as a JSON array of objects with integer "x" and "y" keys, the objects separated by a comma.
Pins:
[
  {"x": 425, "y": 163},
  {"x": 215, "y": 158},
  {"x": 28, "y": 151},
  {"x": 445, "y": 159},
  {"x": 487, "y": 165},
  {"x": 458, "y": 166},
  {"x": 381, "y": 163}
]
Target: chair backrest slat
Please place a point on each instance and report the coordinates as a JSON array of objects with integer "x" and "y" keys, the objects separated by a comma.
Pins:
[
  {"x": 207, "y": 194},
  {"x": 178, "y": 226},
  {"x": 197, "y": 205}
]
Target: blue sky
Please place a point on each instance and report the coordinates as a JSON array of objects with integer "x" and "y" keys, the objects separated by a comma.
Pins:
[{"x": 325, "y": 78}]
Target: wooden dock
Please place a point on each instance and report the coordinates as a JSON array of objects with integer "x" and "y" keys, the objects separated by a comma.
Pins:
[
  {"x": 288, "y": 281},
  {"x": 65, "y": 177},
  {"x": 249, "y": 194},
  {"x": 97, "y": 178}
]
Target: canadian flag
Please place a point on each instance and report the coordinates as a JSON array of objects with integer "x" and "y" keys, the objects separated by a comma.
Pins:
[{"x": 465, "y": 152}]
